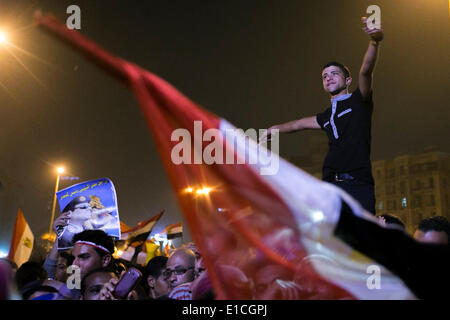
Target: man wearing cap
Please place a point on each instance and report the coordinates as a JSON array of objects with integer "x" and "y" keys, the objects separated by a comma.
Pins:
[{"x": 82, "y": 216}]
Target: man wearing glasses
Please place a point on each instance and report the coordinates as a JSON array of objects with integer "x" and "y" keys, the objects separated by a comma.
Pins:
[{"x": 180, "y": 271}]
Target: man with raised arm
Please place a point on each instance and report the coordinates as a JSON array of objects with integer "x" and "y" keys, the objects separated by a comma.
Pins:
[{"x": 347, "y": 123}]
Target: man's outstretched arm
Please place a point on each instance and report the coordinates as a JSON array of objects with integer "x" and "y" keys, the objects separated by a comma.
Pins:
[
  {"x": 292, "y": 126},
  {"x": 370, "y": 58}
]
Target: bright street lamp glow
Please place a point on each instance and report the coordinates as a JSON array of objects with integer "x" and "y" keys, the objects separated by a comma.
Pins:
[
  {"x": 199, "y": 191},
  {"x": 205, "y": 191},
  {"x": 3, "y": 254},
  {"x": 60, "y": 170},
  {"x": 3, "y": 38}
]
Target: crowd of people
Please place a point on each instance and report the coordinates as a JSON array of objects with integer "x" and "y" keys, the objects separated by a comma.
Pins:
[{"x": 90, "y": 272}]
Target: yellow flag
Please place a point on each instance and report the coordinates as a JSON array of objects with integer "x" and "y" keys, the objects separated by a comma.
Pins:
[{"x": 151, "y": 250}]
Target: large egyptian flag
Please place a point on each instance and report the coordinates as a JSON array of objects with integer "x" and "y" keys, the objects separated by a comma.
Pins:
[
  {"x": 22, "y": 240},
  {"x": 261, "y": 224}
]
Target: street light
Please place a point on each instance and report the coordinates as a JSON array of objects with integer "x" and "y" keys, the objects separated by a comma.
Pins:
[
  {"x": 204, "y": 191},
  {"x": 199, "y": 191},
  {"x": 59, "y": 170},
  {"x": 3, "y": 37}
]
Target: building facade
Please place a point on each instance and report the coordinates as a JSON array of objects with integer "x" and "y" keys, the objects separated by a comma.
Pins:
[{"x": 413, "y": 187}]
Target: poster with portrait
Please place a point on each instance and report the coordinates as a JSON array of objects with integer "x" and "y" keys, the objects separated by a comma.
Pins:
[{"x": 92, "y": 205}]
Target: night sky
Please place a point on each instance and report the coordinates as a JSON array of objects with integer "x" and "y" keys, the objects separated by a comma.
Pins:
[{"x": 255, "y": 63}]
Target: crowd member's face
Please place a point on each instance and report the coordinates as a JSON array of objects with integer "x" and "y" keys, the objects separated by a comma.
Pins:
[
  {"x": 180, "y": 270},
  {"x": 334, "y": 80},
  {"x": 94, "y": 284},
  {"x": 61, "y": 267},
  {"x": 199, "y": 267},
  {"x": 88, "y": 259},
  {"x": 158, "y": 286},
  {"x": 438, "y": 237}
]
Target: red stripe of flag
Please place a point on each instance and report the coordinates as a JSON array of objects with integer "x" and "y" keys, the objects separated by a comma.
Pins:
[{"x": 19, "y": 228}]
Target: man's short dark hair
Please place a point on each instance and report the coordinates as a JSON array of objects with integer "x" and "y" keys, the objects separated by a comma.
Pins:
[
  {"x": 436, "y": 223},
  {"x": 393, "y": 220},
  {"x": 99, "y": 237},
  {"x": 343, "y": 68},
  {"x": 28, "y": 293},
  {"x": 67, "y": 256},
  {"x": 155, "y": 266},
  {"x": 28, "y": 272}
]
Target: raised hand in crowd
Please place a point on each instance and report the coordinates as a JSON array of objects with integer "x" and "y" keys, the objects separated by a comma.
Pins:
[{"x": 108, "y": 290}]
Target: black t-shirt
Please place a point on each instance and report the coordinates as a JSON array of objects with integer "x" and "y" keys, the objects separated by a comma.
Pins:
[{"x": 349, "y": 132}]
